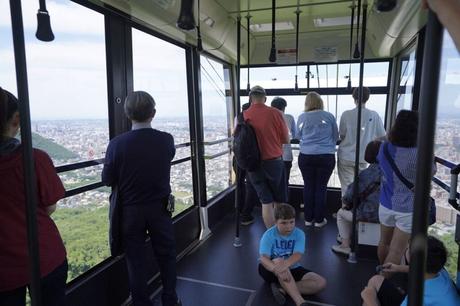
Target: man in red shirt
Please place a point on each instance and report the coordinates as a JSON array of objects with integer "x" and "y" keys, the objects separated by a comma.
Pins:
[{"x": 269, "y": 179}]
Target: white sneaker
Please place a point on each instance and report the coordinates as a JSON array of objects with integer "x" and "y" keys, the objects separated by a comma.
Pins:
[
  {"x": 321, "y": 224},
  {"x": 339, "y": 249},
  {"x": 308, "y": 223}
]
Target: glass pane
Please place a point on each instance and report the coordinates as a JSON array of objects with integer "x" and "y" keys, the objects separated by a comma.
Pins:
[
  {"x": 83, "y": 223},
  {"x": 182, "y": 186},
  {"x": 68, "y": 104},
  {"x": 159, "y": 68},
  {"x": 268, "y": 77},
  {"x": 336, "y": 105},
  {"x": 218, "y": 174},
  {"x": 216, "y": 111},
  {"x": 406, "y": 81},
  {"x": 81, "y": 177},
  {"x": 447, "y": 146},
  {"x": 67, "y": 83},
  {"x": 320, "y": 76}
]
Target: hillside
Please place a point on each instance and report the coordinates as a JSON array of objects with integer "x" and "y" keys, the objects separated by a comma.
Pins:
[{"x": 57, "y": 152}]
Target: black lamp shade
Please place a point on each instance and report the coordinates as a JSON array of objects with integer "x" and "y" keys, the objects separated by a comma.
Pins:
[
  {"x": 385, "y": 5},
  {"x": 44, "y": 32},
  {"x": 186, "y": 20}
]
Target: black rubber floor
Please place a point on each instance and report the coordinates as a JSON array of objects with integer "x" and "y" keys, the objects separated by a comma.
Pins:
[{"x": 218, "y": 274}]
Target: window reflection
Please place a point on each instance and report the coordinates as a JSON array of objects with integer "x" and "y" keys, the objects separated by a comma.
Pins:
[
  {"x": 406, "y": 81},
  {"x": 216, "y": 105}
]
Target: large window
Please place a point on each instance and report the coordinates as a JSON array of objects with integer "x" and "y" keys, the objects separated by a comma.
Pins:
[
  {"x": 216, "y": 105},
  {"x": 159, "y": 68},
  {"x": 68, "y": 105},
  {"x": 316, "y": 76},
  {"x": 335, "y": 104},
  {"x": 447, "y": 146}
]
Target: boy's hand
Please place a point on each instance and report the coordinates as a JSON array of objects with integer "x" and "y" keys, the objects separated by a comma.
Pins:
[
  {"x": 284, "y": 276},
  {"x": 280, "y": 266},
  {"x": 392, "y": 268}
]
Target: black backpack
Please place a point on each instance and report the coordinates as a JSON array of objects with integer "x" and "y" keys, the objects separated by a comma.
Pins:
[{"x": 245, "y": 145}]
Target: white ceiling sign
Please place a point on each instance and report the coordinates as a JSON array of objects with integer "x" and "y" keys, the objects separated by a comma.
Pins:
[
  {"x": 325, "y": 54},
  {"x": 286, "y": 56}
]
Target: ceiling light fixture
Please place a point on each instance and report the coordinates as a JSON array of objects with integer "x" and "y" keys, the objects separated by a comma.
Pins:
[{"x": 266, "y": 27}]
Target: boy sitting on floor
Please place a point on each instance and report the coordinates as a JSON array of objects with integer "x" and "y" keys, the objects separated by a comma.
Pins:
[
  {"x": 281, "y": 249},
  {"x": 439, "y": 288}
]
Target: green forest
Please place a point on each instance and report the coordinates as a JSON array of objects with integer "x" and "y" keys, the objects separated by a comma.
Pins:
[
  {"x": 85, "y": 234},
  {"x": 85, "y": 231}
]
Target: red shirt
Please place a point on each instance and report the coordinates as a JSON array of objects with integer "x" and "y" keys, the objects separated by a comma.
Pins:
[
  {"x": 271, "y": 130},
  {"x": 14, "y": 262}
]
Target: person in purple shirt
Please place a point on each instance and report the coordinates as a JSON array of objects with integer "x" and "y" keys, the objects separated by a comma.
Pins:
[{"x": 396, "y": 199}]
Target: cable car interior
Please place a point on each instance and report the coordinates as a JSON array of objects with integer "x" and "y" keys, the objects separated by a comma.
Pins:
[{"x": 198, "y": 59}]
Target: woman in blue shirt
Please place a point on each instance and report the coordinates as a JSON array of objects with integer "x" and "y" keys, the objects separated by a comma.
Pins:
[{"x": 318, "y": 134}]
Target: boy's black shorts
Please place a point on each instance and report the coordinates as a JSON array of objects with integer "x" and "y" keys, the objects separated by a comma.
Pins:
[
  {"x": 269, "y": 277},
  {"x": 390, "y": 295}
]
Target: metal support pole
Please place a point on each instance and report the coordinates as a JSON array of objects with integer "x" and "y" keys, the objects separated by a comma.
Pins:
[
  {"x": 30, "y": 183},
  {"x": 356, "y": 199},
  {"x": 236, "y": 241},
  {"x": 425, "y": 143}
]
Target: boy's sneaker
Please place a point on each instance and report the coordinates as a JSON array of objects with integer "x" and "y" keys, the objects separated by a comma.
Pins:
[
  {"x": 307, "y": 223},
  {"x": 246, "y": 220},
  {"x": 321, "y": 224},
  {"x": 341, "y": 250},
  {"x": 277, "y": 294}
]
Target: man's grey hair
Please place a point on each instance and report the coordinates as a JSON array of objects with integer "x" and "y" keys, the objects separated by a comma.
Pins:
[
  {"x": 139, "y": 106},
  {"x": 257, "y": 92}
]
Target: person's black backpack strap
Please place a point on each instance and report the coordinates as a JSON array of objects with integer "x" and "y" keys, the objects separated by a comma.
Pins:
[
  {"x": 245, "y": 146},
  {"x": 240, "y": 118}
]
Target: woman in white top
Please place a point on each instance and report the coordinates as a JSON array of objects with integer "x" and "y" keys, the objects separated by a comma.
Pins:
[
  {"x": 280, "y": 103},
  {"x": 371, "y": 128}
]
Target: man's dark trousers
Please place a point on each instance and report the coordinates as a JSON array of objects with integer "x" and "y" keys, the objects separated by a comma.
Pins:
[{"x": 152, "y": 220}]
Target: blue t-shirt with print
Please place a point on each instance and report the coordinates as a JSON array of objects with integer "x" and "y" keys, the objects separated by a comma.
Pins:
[
  {"x": 439, "y": 291},
  {"x": 274, "y": 245}
]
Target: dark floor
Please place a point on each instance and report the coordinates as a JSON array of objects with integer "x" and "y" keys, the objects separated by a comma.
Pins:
[{"x": 218, "y": 274}]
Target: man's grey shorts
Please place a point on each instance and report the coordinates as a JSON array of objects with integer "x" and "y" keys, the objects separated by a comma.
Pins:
[{"x": 269, "y": 181}]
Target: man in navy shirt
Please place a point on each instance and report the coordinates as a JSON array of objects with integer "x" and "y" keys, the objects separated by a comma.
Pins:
[{"x": 139, "y": 164}]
